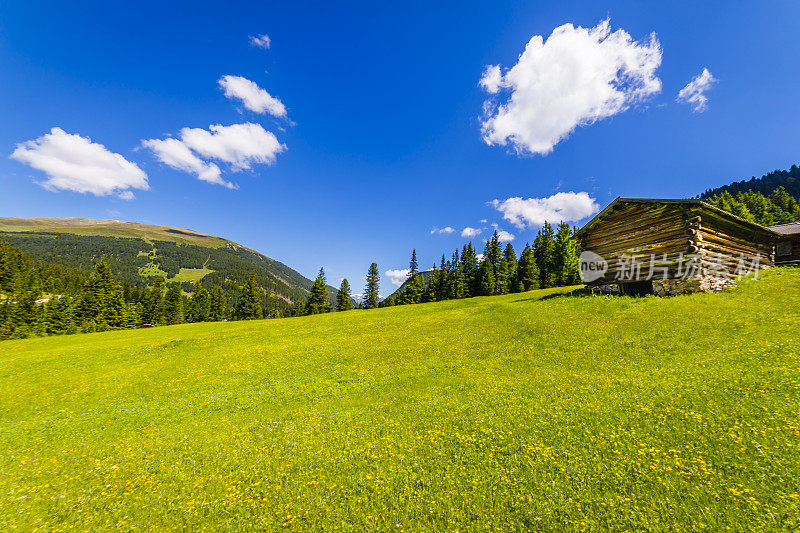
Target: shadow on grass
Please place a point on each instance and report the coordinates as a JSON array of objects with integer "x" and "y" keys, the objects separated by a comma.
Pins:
[{"x": 577, "y": 293}]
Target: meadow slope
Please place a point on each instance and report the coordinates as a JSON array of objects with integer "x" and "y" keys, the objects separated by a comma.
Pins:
[{"x": 528, "y": 411}]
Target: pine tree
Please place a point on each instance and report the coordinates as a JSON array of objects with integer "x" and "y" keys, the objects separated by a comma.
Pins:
[
  {"x": 318, "y": 298},
  {"x": 344, "y": 302},
  {"x": 501, "y": 277},
  {"x": 298, "y": 309},
  {"x": 566, "y": 257},
  {"x": 527, "y": 271},
  {"x": 102, "y": 303},
  {"x": 173, "y": 305},
  {"x": 429, "y": 294},
  {"x": 511, "y": 268},
  {"x": 443, "y": 281},
  {"x": 154, "y": 303},
  {"x": 249, "y": 306},
  {"x": 275, "y": 305},
  {"x": 219, "y": 304},
  {"x": 59, "y": 317},
  {"x": 199, "y": 309},
  {"x": 457, "y": 288},
  {"x": 485, "y": 278},
  {"x": 492, "y": 252},
  {"x": 469, "y": 269},
  {"x": 544, "y": 252},
  {"x": 371, "y": 295},
  {"x": 415, "y": 286}
]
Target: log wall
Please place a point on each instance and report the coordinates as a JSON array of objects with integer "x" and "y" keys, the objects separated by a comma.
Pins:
[
  {"x": 676, "y": 241},
  {"x": 794, "y": 257},
  {"x": 641, "y": 232}
]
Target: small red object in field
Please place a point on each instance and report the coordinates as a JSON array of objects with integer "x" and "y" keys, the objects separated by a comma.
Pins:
[{"x": 147, "y": 325}]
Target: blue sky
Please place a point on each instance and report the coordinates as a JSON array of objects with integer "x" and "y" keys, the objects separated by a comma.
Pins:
[{"x": 384, "y": 136}]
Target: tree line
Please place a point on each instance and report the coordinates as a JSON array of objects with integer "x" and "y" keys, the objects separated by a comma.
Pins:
[
  {"x": 552, "y": 261},
  {"x": 40, "y": 298},
  {"x": 788, "y": 179}
]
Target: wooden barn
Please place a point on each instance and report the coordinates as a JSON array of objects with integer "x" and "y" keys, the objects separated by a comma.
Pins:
[
  {"x": 787, "y": 245},
  {"x": 654, "y": 246}
]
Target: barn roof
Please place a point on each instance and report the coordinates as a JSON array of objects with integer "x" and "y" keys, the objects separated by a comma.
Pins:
[
  {"x": 792, "y": 228},
  {"x": 692, "y": 201}
]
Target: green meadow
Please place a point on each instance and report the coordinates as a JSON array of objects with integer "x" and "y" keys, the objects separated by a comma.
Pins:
[{"x": 544, "y": 410}]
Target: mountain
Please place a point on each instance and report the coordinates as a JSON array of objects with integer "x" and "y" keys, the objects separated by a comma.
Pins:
[
  {"x": 772, "y": 199},
  {"x": 137, "y": 253},
  {"x": 766, "y": 184}
]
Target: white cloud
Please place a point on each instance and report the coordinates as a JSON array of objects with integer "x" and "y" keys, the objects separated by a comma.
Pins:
[
  {"x": 175, "y": 154},
  {"x": 252, "y": 96},
  {"x": 442, "y": 231},
  {"x": 560, "y": 207},
  {"x": 574, "y": 78},
  {"x": 261, "y": 41},
  {"x": 694, "y": 92},
  {"x": 479, "y": 257},
  {"x": 397, "y": 277},
  {"x": 75, "y": 163},
  {"x": 240, "y": 145},
  {"x": 470, "y": 232},
  {"x": 504, "y": 236}
]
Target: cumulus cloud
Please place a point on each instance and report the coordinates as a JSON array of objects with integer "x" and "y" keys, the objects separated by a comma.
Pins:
[
  {"x": 397, "y": 277},
  {"x": 239, "y": 145},
  {"x": 504, "y": 236},
  {"x": 261, "y": 41},
  {"x": 75, "y": 163},
  {"x": 177, "y": 155},
  {"x": 252, "y": 96},
  {"x": 560, "y": 207},
  {"x": 694, "y": 92},
  {"x": 470, "y": 232},
  {"x": 574, "y": 78},
  {"x": 442, "y": 231}
]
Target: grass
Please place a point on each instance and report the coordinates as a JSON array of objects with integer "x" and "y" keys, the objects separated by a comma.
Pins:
[
  {"x": 184, "y": 274},
  {"x": 191, "y": 274},
  {"x": 527, "y": 411},
  {"x": 152, "y": 269}
]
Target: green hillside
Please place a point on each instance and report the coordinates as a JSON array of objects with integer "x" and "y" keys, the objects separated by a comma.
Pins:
[
  {"x": 534, "y": 411},
  {"x": 766, "y": 184},
  {"x": 138, "y": 252}
]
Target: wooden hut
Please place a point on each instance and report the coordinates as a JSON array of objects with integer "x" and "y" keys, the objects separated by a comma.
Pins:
[
  {"x": 643, "y": 246},
  {"x": 787, "y": 245}
]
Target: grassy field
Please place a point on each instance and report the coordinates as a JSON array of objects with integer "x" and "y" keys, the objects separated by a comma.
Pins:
[
  {"x": 538, "y": 411},
  {"x": 191, "y": 274}
]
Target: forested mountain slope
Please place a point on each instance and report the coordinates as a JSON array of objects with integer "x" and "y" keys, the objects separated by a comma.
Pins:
[
  {"x": 771, "y": 199},
  {"x": 138, "y": 253},
  {"x": 766, "y": 184}
]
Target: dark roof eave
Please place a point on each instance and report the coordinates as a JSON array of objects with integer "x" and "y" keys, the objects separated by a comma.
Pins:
[{"x": 787, "y": 230}]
